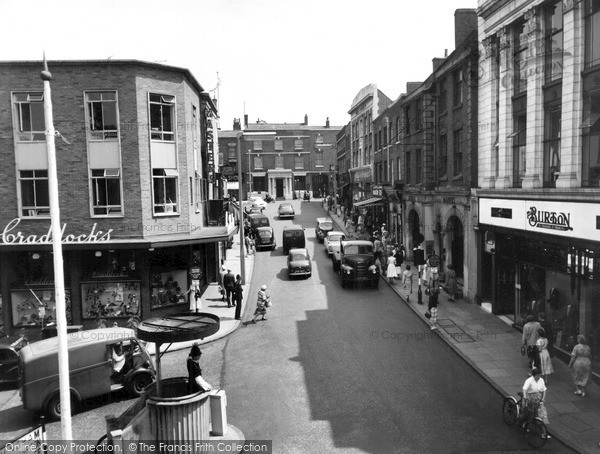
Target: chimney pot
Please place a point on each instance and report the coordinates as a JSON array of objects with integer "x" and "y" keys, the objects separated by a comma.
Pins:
[{"x": 306, "y": 119}]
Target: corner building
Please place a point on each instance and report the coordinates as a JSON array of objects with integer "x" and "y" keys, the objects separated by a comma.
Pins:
[
  {"x": 538, "y": 210},
  {"x": 134, "y": 184}
]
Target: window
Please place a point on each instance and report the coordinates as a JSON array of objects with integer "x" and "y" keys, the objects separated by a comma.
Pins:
[
  {"x": 385, "y": 136},
  {"x": 520, "y": 58},
  {"x": 552, "y": 145},
  {"x": 319, "y": 139},
  {"x": 162, "y": 114},
  {"x": 554, "y": 41},
  {"x": 385, "y": 172},
  {"x": 200, "y": 190},
  {"x": 591, "y": 141},
  {"x": 102, "y": 115},
  {"x": 298, "y": 144},
  {"x": 398, "y": 128},
  {"x": 419, "y": 115},
  {"x": 257, "y": 145},
  {"x": 278, "y": 145},
  {"x": 106, "y": 192},
  {"x": 279, "y": 162},
  {"x": 35, "y": 198},
  {"x": 258, "y": 162},
  {"x": 408, "y": 163},
  {"x": 458, "y": 152},
  {"x": 418, "y": 165},
  {"x": 442, "y": 97},
  {"x": 165, "y": 191},
  {"x": 592, "y": 33},
  {"x": 458, "y": 87},
  {"x": 299, "y": 162},
  {"x": 232, "y": 154},
  {"x": 398, "y": 168},
  {"x": 30, "y": 116},
  {"x": 519, "y": 137},
  {"x": 407, "y": 120},
  {"x": 443, "y": 167},
  {"x": 319, "y": 158}
]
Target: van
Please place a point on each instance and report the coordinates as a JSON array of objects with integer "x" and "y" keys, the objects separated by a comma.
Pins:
[
  {"x": 100, "y": 361},
  {"x": 293, "y": 237},
  {"x": 256, "y": 221}
]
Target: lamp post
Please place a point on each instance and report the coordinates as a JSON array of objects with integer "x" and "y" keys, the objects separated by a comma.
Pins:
[
  {"x": 241, "y": 213},
  {"x": 59, "y": 279},
  {"x": 249, "y": 177}
]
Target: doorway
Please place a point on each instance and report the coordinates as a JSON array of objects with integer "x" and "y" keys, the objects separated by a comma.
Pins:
[
  {"x": 279, "y": 188},
  {"x": 457, "y": 244}
]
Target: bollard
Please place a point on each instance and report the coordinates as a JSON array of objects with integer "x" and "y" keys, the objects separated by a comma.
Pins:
[{"x": 218, "y": 412}]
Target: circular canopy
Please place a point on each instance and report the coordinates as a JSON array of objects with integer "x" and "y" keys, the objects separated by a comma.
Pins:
[{"x": 178, "y": 328}]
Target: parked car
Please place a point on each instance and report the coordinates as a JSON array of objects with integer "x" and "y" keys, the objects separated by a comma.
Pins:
[
  {"x": 253, "y": 209},
  {"x": 286, "y": 210},
  {"x": 358, "y": 264},
  {"x": 258, "y": 201},
  {"x": 257, "y": 220},
  {"x": 323, "y": 226},
  {"x": 334, "y": 236},
  {"x": 299, "y": 263},
  {"x": 265, "y": 238},
  {"x": 293, "y": 237},
  {"x": 92, "y": 369},
  {"x": 9, "y": 358}
]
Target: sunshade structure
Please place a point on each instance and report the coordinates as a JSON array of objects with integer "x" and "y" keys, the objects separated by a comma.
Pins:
[{"x": 176, "y": 328}]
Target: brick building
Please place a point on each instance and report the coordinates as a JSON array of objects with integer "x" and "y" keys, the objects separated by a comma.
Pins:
[
  {"x": 282, "y": 159},
  {"x": 133, "y": 175},
  {"x": 539, "y": 148}
]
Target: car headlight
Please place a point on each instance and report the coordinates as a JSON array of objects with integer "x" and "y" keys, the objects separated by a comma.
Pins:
[
  {"x": 373, "y": 268},
  {"x": 348, "y": 271}
]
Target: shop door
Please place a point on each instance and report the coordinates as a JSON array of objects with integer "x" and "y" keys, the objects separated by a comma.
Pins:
[
  {"x": 457, "y": 245},
  {"x": 279, "y": 188},
  {"x": 505, "y": 287}
]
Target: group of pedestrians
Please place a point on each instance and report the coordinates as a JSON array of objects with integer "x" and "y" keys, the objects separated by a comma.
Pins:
[{"x": 232, "y": 291}]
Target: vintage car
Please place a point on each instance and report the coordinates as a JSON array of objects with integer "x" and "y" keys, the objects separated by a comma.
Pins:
[
  {"x": 334, "y": 236},
  {"x": 286, "y": 210},
  {"x": 257, "y": 220},
  {"x": 265, "y": 238},
  {"x": 333, "y": 243},
  {"x": 257, "y": 201},
  {"x": 323, "y": 226},
  {"x": 9, "y": 358},
  {"x": 299, "y": 263},
  {"x": 293, "y": 237},
  {"x": 358, "y": 264}
]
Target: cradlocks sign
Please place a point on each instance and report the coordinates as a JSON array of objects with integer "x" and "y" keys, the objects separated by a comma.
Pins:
[
  {"x": 549, "y": 219},
  {"x": 10, "y": 235}
]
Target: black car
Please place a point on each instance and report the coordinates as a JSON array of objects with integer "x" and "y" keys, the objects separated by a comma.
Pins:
[
  {"x": 9, "y": 358},
  {"x": 299, "y": 263},
  {"x": 265, "y": 238}
]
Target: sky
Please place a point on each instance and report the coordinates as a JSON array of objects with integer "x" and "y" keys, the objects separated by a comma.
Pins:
[{"x": 274, "y": 60}]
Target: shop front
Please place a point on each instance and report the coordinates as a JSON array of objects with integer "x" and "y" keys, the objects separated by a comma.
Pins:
[{"x": 542, "y": 257}]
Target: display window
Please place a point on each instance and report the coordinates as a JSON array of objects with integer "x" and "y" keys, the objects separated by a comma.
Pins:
[
  {"x": 37, "y": 307},
  {"x": 110, "y": 299},
  {"x": 169, "y": 288}
]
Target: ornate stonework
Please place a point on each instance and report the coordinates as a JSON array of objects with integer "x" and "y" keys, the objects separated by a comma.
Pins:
[{"x": 568, "y": 5}]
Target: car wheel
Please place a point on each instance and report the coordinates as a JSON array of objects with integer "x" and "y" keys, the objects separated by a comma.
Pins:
[
  {"x": 376, "y": 284},
  {"x": 52, "y": 407},
  {"x": 138, "y": 383}
]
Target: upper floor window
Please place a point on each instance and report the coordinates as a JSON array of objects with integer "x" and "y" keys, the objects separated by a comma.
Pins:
[
  {"x": 299, "y": 162},
  {"x": 164, "y": 183},
  {"x": 232, "y": 154},
  {"x": 418, "y": 165},
  {"x": 407, "y": 165},
  {"x": 258, "y": 162},
  {"x": 319, "y": 138},
  {"x": 298, "y": 144},
  {"x": 102, "y": 115},
  {"x": 278, "y": 144},
  {"x": 407, "y": 120},
  {"x": 554, "y": 41},
  {"x": 519, "y": 138},
  {"x": 552, "y": 145},
  {"x": 162, "y": 117},
  {"x": 30, "y": 116},
  {"x": 398, "y": 127},
  {"x": 106, "y": 192},
  {"x": 319, "y": 158},
  {"x": 592, "y": 33},
  {"x": 279, "y": 162},
  {"x": 35, "y": 195},
  {"x": 591, "y": 141},
  {"x": 257, "y": 145},
  {"x": 443, "y": 165},
  {"x": 419, "y": 115},
  {"x": 520, "y": 58},
  {"x": 458, "y": 152},
  {"x": 458, "y": 87},
  {"x": 442, "y": 96}
]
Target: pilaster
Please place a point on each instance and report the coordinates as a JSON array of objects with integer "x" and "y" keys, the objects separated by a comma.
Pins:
[{"x": 504, "y": 122}]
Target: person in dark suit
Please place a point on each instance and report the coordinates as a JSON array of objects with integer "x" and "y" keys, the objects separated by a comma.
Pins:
[
  {"x": 229, "y": 283},
  {"x": 237, "y": 297}
]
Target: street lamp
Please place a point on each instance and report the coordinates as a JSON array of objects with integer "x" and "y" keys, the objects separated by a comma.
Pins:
[{"x": 249, "y": 177}]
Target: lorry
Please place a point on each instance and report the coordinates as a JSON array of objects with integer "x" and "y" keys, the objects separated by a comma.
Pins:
[{"x": 357, "y": 264}]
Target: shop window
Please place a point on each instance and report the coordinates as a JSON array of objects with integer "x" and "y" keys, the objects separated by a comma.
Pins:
[
  {"x": 37, "y": 306},
  {"x": 110, "y": 299},
  {"x": 102, "y": 115},
  {"x": 162, "y": 116},
  {"x": 35, "y": 197},
  {"x": 165, "y": 191},
  {"x": 106, "y": 192},
  {"x": 30, "y": 116},
  {"x": 591, "y": 142}
]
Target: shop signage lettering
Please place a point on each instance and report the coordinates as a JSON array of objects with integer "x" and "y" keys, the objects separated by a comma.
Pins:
[
  {"x": 10, "y": 236},
  {"x": 549, "y": 219}
]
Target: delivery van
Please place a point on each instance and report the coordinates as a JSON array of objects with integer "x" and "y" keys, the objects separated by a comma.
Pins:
[
  {"x": 293, "y": 237},
  {"x": 100, "y": 361}
]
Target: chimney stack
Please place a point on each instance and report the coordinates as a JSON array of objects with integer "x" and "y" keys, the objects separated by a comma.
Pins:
[
  {"x": 306, "y": 119},
  {"x": 327, "y": 123},
  {"x": 465, "y": 22},
  {"x": 236, "y": 124},
  {"x": 245, "y": 120}
]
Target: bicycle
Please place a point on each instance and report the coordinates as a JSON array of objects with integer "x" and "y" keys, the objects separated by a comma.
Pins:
[{"x": 533, "y": 427}]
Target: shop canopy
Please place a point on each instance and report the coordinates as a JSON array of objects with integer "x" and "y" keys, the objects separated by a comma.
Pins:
[{"x": 369, "y": 202}]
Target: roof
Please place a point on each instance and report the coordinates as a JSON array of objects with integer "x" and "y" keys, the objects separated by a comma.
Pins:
[
  {"x": 293, "y": 227},
  {"x": 359, "y": 242},
  {"x": 288, "y": 127},
  {"x": 324, "y": 219}
]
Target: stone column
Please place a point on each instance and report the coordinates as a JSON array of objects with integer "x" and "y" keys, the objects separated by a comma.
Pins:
[
  {"x": 504, "y": 122},
  {"x": 488, "y": 121},
  {"x": 572, "y": 94}
]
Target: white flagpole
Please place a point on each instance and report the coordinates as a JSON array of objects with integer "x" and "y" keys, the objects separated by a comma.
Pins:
[{"x": 59, "y": 279}]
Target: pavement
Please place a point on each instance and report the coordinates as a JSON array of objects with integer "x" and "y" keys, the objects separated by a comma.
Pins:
[{"x": 493, "y": 348}]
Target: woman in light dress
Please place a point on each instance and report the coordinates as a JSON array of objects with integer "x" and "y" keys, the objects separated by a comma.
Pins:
[
  {"x": 581, "y": 365},
  {"x": 545, "y": 360},
  {"x": 391, "y": 268}
]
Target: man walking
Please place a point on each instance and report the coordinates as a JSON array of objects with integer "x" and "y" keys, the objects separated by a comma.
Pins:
[
  {"x": 229, "y": 284},
  {"x": 237, "y": 297}
]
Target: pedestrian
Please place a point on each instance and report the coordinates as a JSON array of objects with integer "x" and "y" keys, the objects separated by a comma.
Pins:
[
  {"x": 581, "y": 365},
  {"x": 263, "y": 301},
  {"x": 545, "y": 360},
  {"x": 534, "y": 395},
  {"x": 530, "y": 337},
  {"x": 229, "y": 283},
  {"x": 349, "y": 227},
  {"x": 391, "y": 268},
  {"x": 196, "y": 382},
  {"x": 451, "y": 282},
  {"x": 433, "y": 273},
  {"x": 547, "y": 326},
  {"x": 195, "y": 301},
  {"x": 432, "y": 307},
  {"x": 222, "y": 273},
  {"x": 237, "y": 297},
  {"x": 407, "y": 278},
  {"x": 253, "y": 243},
  {"x": 377, "y": 248},
  {"x": 248, "y": 244}
]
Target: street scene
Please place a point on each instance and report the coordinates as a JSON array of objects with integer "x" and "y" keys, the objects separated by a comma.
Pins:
[{"x": 294, "y": 227}]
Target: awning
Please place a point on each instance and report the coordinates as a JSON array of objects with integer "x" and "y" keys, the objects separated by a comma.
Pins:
[{"x": 369, "y": 202}]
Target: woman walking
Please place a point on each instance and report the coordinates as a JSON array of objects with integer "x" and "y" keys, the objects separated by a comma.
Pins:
[
  {"x": 432, "y": 308},
  {"x": 391, "y": 268},
  {"x": 263, "y": 301},
  {"x": 451, "y": 282},
  {"x": 545, "y": 360},
  {"x": 581, "y": 365},
  {"x": 407, "y": 278}
]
